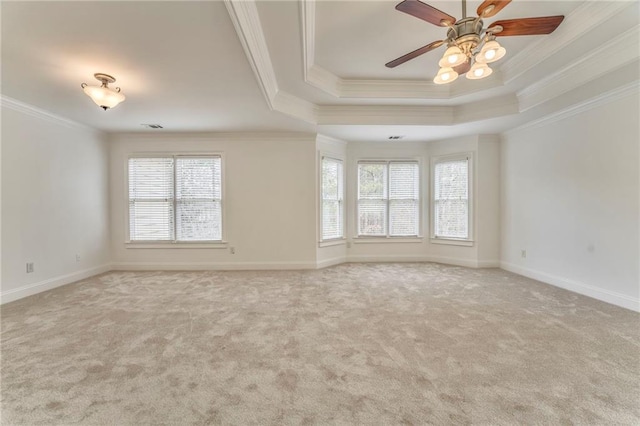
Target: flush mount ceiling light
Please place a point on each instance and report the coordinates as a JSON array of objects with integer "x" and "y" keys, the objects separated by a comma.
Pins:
[
  {"x": 104, "y": 96},
  {"x": 471, "y": 45}
]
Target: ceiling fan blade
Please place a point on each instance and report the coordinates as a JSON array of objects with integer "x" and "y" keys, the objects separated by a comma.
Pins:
[
  {"x": 463, "y": 67},
  {"x": 489, "y": 8},
  {"x": 425, "y": 12},
  {"x": 415, "y": 53},
  {"x": 527, "y": 26}
]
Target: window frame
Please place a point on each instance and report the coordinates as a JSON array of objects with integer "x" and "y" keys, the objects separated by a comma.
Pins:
[
  {"x": 159, "y": 244},
  {"x": 469, "y": 241},
  {"x": 363, "y": 238},
  {"x": 325, "y": 242}
]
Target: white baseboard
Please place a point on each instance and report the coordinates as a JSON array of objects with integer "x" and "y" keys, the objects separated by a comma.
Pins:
[
  {"x": 598, "y": 293},
  {"x": 331, "y": 262},
  {"x": 51, "y": 283},
  {"x": 471, "y": 263},
  {"x": 488, "y": 263},
  {"x": 388, "y": 258},
  {"x": 212, "y": 266}
]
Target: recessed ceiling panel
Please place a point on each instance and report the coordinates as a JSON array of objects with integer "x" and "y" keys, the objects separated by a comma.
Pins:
[{"x": 354, "y": 39}]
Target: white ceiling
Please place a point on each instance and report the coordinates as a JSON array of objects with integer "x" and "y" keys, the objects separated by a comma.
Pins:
[
  {"x": 293, "y": 66},
  {"x": 180, "y": 64}
]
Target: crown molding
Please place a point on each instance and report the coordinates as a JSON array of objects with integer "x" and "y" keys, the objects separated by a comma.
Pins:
[
  {"x": 418, "y": 115},
  {"x": 308, "y": 31},
  {"x": 583, "y": 19},
  {"x": 246, "y": 21},
  {"x": 392, "y": 89},
  {"x": 294, "y": 106},
  {"x": 621, "y": 92},
  {"x": 606, "y": 58},
  {"x": 30, "y": 110},
  {"x": 324, "y": 80},
  {"x": 330, "y": 141},
  {"x": 486, "y": 109},
  {"x": 386, "y": 115},
  {"x": 208, "y": 137}
]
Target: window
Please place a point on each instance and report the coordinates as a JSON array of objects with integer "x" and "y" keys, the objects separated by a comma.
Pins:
[
  {"x": 175, "y": 199},
  {"x": 332, "y": 193},
  {"x": 388, "y": 198},
  {"x": 451, "y": 177}
]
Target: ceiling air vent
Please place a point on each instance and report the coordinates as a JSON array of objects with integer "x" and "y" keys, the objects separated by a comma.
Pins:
[
  {"x": 152, "y": 126},
  {"x": 395, "y": 138}
]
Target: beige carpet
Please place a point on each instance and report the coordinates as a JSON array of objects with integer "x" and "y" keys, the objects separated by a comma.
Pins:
[{"x": 352, "y": 344}]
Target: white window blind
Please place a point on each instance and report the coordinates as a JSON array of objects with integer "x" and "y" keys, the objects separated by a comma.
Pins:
[
  {"x": 151, "y": 199},
  {"x": 403, "y": 198},
  {"x": 388, "y": 198},
  {"x": 198, "y": 199},
  {"x": 451, "y": 199},
  {"x": 332, "y": 203},
  {"x": 175, "y": 199}
]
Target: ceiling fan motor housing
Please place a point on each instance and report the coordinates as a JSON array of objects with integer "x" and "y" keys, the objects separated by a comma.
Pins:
[{"x": 466, "y": 34}]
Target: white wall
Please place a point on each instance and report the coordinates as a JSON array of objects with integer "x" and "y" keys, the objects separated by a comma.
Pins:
[
  {"x": 54, "y": 203},
  {"x": 570, "y": 198},
  {"x": 269, "y": 201}
]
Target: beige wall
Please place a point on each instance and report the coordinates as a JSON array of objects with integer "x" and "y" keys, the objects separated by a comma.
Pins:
[
  {"x": 485, "y": 249},
  {"x": 269, "y": 202},
  {"x": 336, "y": 252}
]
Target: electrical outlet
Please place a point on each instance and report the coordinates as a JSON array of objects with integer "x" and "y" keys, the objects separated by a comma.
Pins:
[
  {"x": 523, "y": 254},
  {"x": 29, "y": 267},
  {"x": 348, "y": 244},
  {"x": 77, "y": 258},
  {"x": 232, "y": 250}
]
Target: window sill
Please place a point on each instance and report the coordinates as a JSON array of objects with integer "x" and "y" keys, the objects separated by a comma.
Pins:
[
  {"x": 386, "y": 240},
  {"x": 452, "y": 242},
  {"x": 332, "y": 242},
  {"x": 179, "y": 245}
]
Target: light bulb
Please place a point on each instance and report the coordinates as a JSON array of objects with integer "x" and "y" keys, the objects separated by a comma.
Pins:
[
  {"x": 452, "y": 57},
  {"x": 445, "y": 75},
  {"x": 491, "y": 52},
  {"x": 478, "y": 71}
]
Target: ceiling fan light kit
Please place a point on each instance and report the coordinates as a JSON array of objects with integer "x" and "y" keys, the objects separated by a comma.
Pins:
[
  {"x": 103, "y": 96},
  {"x": 471, "y": 45}
]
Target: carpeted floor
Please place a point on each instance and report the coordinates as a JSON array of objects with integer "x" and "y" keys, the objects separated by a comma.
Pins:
[{"x": 352, "y": 344}]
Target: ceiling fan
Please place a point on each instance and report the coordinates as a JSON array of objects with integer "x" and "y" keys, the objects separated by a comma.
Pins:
[{"x": 471, "y": 46}]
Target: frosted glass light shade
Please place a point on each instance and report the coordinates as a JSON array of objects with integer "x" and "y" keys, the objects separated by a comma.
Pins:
[
  {"x": 478, "y": 71},
  {"x": 103, "y": 96},
  {"x": 491, "y": 52},
  {"x": 445, "y": 75},
  {"x": 452, "y": 57}
]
